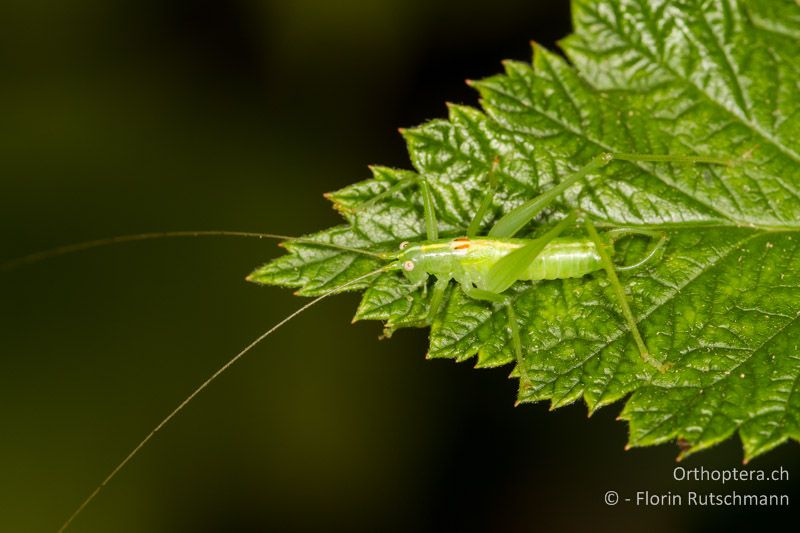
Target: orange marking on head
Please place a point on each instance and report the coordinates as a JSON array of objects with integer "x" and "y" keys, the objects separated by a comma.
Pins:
[{"x": 464, "y": 246}]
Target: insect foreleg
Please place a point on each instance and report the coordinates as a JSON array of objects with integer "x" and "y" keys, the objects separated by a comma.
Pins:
[
  {"x": 622, "y": 298},
  {"x": 437, "y": 297}
]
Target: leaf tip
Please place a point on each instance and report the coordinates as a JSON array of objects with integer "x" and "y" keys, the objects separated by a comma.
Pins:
[
  {"x": 537, "y": 50},
  {"x": 685, "y": 448}
]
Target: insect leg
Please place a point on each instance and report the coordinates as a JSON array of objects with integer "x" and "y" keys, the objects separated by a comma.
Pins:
[
  {"x": 429, "y": 210},
  {"x": 510, "y": 268},
  {"x": 618, "y": 233},
  {"x": 615, "y": 234},
  {"x": 428, "y": 206},
  {"x": 675, "y": 158},
  {"x": 512, "y": 222},
  {"x": 513, "y": 325},
  {"x": 437, "y": 297},
  {"x": 486, "y": 203},
  {"x": 622, "y": 298}
]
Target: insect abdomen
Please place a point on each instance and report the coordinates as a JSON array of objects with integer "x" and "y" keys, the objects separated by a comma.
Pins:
[
  {"x": 472, "y": 259},
  {"x": 565, "y": 259}
]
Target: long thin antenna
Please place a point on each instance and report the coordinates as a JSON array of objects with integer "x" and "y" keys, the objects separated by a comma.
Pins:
[
  {"x": 107, "y": 241},
  {"x": 205, "y": 384}
]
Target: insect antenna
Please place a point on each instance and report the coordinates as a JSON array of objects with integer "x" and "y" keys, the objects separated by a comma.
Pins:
[
  {"x": 107, "y": 241},
  {"x": 207, "y": 382}
]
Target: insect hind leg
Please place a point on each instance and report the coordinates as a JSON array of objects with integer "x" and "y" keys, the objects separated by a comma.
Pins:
[
  {"x": 616, "y": 234},
  {"x": 611, "y": 272}
]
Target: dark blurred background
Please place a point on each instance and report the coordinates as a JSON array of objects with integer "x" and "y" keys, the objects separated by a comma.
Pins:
[{"x": 147, "y": 115}]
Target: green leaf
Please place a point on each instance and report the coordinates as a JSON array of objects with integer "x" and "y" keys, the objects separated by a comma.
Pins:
[{"x": 720, "y": 305}]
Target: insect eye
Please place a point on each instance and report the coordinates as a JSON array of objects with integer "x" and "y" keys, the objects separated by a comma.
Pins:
[
  {"x": 408, "y": 266},
  {"x": 404, "y": 245}
]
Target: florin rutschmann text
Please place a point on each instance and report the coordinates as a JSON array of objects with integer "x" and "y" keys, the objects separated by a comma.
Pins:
[
  {"x": 692, "y": 498},
  {"x": 704, "y": 498}
]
